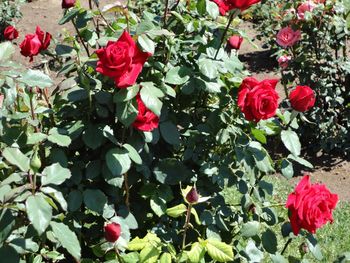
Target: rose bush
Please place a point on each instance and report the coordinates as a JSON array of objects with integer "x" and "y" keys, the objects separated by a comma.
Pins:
[{"x": 129, "y": 157}]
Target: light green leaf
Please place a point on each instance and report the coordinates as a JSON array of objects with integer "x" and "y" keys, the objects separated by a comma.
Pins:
[
  {"x": 176, "y": 211},
  {"x": 137, "y": 244},
  {"x": 17, "y": 158},
  {"x": 39, "y": 212},
  {"x": 118, "y": 161},
  {"x": 56, "y": 136},
  {"x": 6, "y": 51},
  {"x": 177, "y": 76},
  {"x": 67, "y": 238},
  {"x": 219, "y": 251},
  {"x": 208, "y": 68},
  {"x": 250, "y": 229},
  {"x": 36, "y": 78},
  {"x": 287, "y": 168},
  {"x": 146, "y": 43},
  {"x": 133, "y": 154},
  {"x": 149, "y": 254},
  {"x": 165, "y": 258},
  {"x": 158, "y": 205},
  {"x": 150, "y": 99},
  {"x": 196, "y": 253},
  {"x": 291, "y": 140},
  {"x": 55, "y": 174}
]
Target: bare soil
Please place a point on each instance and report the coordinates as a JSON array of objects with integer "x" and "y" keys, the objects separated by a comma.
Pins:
[{"x": 334, "y": 172}]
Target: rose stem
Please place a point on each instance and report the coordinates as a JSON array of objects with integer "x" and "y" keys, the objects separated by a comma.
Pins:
[
  {"x": 187, "y": 222},
  {"x": 165, "y": 12},
  {"x": 286, "y": 245},
  {"x": 232, "y": 16}
]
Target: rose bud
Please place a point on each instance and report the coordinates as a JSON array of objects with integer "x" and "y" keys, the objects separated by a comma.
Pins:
[
  {"x": 283, "y": 61},
  {"x": 68, "y": 3},
  {"x": 192, "y": 196},
  {"x": 235, "y": 42},
  {"x": 10, "y": 33},
  {"x": 112, "y": 232},
  {"x": 302, "y": 98}
]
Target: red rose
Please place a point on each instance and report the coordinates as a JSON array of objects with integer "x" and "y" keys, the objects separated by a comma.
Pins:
[
  {"x": 34, "y": 43},
  {"x": 258, "y": 100},
  {"x": 235, "y": 42},
  {"x": 112, "y": 232},
  {"x": 68, "y": 3},
  {"x": 192, "y": 196},
  {"x": 10, "y": 33},
  {"x": 227, "y": 5},
  {"x": 146, "y": 120},
  {"x": 310, "y": 206},
  {"x": 302, "y": 98},
  {"x": 121, "y": 60}
]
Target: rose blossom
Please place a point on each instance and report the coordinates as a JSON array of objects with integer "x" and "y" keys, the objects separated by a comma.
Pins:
[
  {"x": 1, "y": 100},
  {"x": 283, "y": 61},
  {"x": 146, "y": 120},
  {"x": 305, "y": 7},
  {"x": 310, "y": 206},
  {"x": 34, "y": 43},
  {"x": 258, "y": 100},
  {"x": 121, "y": 60},
  {"x": 68, "y": 3},
  {"x": 112, "y": 232},
  {"x": 228, "y": 5},
  {"x": 10, "y": 33},
  {"x": 287, "y": 37},
  {"x": 235, "y": 42},
  {"x": 302, "y": 98}
]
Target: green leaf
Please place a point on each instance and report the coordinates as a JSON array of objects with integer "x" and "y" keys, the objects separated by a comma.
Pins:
[
  {"x": 95, "y": 200},
  {"x": 17, "y": 158},
  {"x": 219, "y": 251},
  {"x": 126, "y": 112},
  {"x": 137, "y": 244},
  {"x": 127, "y": 94},
  {"x": 56, "y": 136},
  {"x": 165, "y": 258},
  {"x": 36, "y": 138},
  {"x": 278, "y": 259},
  {"x": 176, "y": 211},
  {"x": 93, "y": 136},
  {"x": 67, "y": 238},
  {"x": 315, "y": 248},
  {"x": 201, "y": 7},
  {"x": 287, "y": 168},
  {"x": 158, "y": 205},
  {"x": 146, "y": 43},
  {"x": 177, "y": 75},
  {"x": 75, "y": 199},
  {"x": 170, "y": 132},
  {"x": 171, "y": 171},
  {"x": 208, "y": 68},
  {"x": 133, "y": 154},
  {"x": 269, "y": 241},
  {"x": 7, "y": 222},
  {"x": 55, "y": 174},
  {"x": 259, "y": 135},
  {"x": 301, "y": 161},
  {"x": 149, "y": 254},
  {"x": 9, "y": 254},
  {"x": 6, "y": 51},
  {"x": 39, "y": 212},
  {"x": 250, "y": 229},
  {"x": 291, "y": 140},
  {"x": 197, "y": 252},
  {"x": 212, "y": 9},
  {"x": 118, "y": 161},
  {"x": 36, "y": 78},
  {"x": 150, "y": 99},
  {"x": 70, "y": 14}
]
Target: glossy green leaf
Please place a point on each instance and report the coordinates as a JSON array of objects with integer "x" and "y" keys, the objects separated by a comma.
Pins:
[
  {"x": 219, "y": 251},
  {"x": 55, "y": 174},
  {"x": 39, "y": 212}
]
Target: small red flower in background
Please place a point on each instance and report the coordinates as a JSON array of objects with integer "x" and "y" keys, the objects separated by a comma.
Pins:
[
  {"x": 228, "y": 5},
  {"x": 112, "y": 232},
  {"x": 310, "y": 206},
  {"x": 302, "y": 98},
  {"x": 68, "y": 3},
  {"x": 146, "y": 120},
  {"x": 121, "y": 60},
  {"x": 283, "y": 61},
  {"x": 305, "y": 7},
  {"x": 287, "y": 37},
  {"x": 258, "y": 100},
  {"x": 235, "y": 42},
  {"x": 10, "y": 33},
  {"x": 1, "y": 100},
  {"x": 34, "y": 43}
]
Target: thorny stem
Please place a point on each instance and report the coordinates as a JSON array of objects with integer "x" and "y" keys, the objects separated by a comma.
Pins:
[
  {"x": 120, "y": 260},
  {"x": 81, "y": 38},
  {"x": 32, "y": 111},
  {"x": 127, "y": 191},
  {"x": 286, "y": 245},
  {"x": 232, "y": 16},
  {"x": 30, "y": 177},
  {"x": 165, "y": 12},
  {"x": 187, "y": 222}
]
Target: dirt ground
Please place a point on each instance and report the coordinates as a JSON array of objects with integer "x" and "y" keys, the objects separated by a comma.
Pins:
[{"x": 334, "y": 172}]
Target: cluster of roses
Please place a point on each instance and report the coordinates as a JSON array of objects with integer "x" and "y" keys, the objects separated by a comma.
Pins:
[
  {"x": 32, "y": 44},
  {"x": 287, "y": 36}
]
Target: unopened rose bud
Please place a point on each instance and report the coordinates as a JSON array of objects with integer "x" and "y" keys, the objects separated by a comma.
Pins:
[
  {"x": 112, "y": 232},
  {"x": 192, "y": 196},
  {"x": 68, "y": 3},
  {"x": 304, "y": 249}
]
